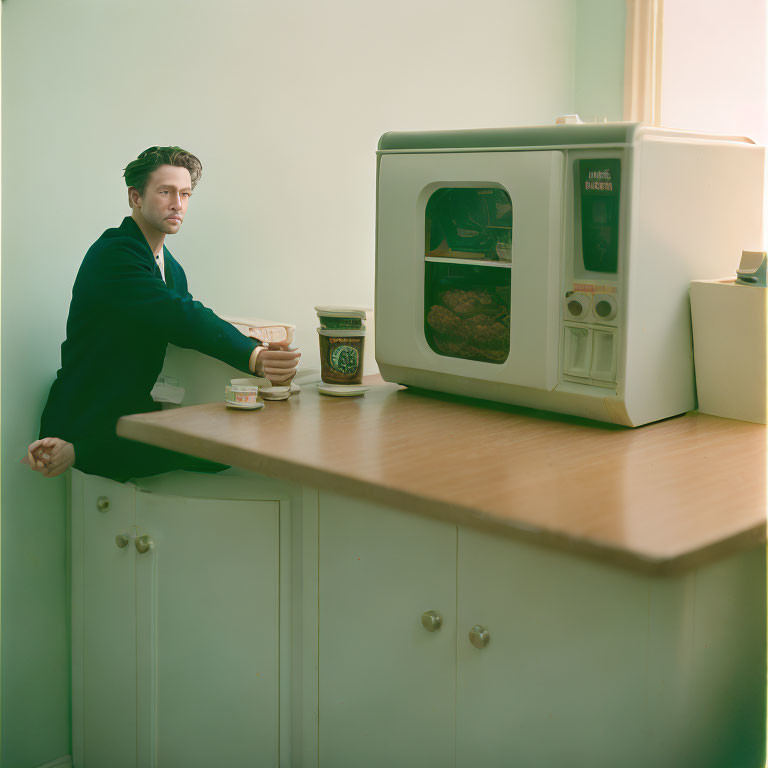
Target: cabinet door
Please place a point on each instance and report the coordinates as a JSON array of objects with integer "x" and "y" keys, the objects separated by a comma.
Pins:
[
  {"x": 103, "y": 624},
  {"x": 592, "y": 665},
  {"x": 562, "y": 680},
  {"x": 207, "y": 597},
  {"x": 386, "y": 685}
]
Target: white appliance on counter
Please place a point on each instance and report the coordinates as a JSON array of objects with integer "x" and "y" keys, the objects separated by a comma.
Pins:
[{"x": 550, "y": 267}]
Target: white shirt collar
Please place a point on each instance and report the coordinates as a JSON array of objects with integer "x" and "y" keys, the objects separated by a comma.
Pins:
[{"x": 160, "y": 261}]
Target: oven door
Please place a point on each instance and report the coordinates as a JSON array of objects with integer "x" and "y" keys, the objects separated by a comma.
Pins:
[{"x": 468, "y": 264}]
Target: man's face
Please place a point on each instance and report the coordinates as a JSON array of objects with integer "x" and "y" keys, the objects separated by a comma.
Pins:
[{"x": 165, "y": 198}]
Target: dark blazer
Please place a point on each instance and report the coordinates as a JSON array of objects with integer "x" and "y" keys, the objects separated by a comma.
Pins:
[{"x": 121, "y": 318}]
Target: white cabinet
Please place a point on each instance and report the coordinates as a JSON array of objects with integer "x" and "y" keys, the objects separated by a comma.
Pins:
[
  {"x": 385, "y": 683},
  {"x": 207, "y": 597},
  {"x": 256, "y": 626},
  {"x": 589, "y": 664},
  {"x": 176, "y": 632},
  {"x": 567, "y": 673},
  {"x": 103, "y": 624},
  {"x": 586, "y": 664}
]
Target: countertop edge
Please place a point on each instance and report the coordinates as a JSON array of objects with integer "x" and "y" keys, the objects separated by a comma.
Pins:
[{"x": 303, "y": 474}]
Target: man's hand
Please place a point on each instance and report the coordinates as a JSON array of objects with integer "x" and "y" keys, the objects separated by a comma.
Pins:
[
  {"x": 50, "y": 456},
  {"x": 276, "y": 362}
]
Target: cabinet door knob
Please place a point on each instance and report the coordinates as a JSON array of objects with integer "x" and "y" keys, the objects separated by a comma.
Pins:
[
  {"x": 103, "y": 504},
  {"x": 143, "y": 544},
  {"x": 431, "y": 621},
  {"x": 479, "y": 636},
  {"x": 121, "y": 540}
]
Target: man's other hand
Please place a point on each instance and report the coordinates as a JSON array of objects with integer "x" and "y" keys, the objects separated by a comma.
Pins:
[
  {"x": 50, "y": 456},
  {"x": 277, "y": 363}
]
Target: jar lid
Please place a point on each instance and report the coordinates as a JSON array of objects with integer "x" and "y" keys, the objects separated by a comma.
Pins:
[
  {"x": 341, "y": 332},
  {"x": 337, "y": 311}
]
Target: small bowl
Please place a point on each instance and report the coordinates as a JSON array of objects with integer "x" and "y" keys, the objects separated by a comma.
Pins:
[{"x": 242, "y": 396}]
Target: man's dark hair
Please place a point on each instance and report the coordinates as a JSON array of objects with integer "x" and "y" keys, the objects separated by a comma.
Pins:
[{"x": 137, "y": 171}]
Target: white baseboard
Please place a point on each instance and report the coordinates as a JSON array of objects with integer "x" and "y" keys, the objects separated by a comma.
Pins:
[{"x": 61, "y": 762}]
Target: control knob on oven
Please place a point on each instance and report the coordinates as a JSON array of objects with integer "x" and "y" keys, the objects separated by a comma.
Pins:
[
  {"x": 576, "y": 305},
  {"x": 605, "y": 307}
]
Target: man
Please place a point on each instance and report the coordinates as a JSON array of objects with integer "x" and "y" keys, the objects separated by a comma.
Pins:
[{"x": 130, "y": 300}]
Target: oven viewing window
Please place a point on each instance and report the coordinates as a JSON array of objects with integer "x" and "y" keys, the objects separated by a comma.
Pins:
[
  {"x": 469, "y": 223},
  {"x": 467, "y": 280}
]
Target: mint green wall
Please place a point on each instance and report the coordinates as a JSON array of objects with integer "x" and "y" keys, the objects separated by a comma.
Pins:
[
  {"x": 599, "y": 59},
  {"x": 284, "y": 103}
]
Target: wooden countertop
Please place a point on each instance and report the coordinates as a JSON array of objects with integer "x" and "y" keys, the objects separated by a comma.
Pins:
[{"x": 660, "y": 497}]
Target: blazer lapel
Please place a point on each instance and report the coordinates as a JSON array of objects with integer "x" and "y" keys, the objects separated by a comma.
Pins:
[{"x": 131, "y": 229}]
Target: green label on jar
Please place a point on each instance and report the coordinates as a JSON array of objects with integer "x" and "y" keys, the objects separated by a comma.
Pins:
[{"x": 345, "y": 359}]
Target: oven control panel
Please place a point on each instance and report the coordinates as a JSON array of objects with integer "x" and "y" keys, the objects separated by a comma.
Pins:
[
  {"x": 590, "y": 333},
  {"x": 591, "y": 309}
]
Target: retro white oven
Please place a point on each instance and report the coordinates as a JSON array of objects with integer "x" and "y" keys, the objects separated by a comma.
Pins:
[{"x": 550, "y": 267}]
